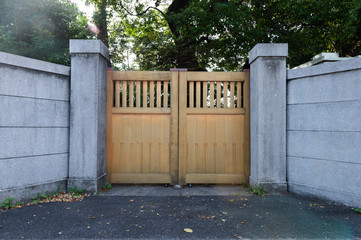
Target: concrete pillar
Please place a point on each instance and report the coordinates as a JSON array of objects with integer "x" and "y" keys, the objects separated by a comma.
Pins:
[
  {"x": 268, "y": 116},
  {"x": 87, "y": 114}
]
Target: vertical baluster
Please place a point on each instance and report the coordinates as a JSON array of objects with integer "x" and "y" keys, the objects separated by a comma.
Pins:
[
  {"x": 124, "y": 94},
  {"x": 232, "y": 95},
  {"x": 211, "y": 94},
  {"x": 145, "y": 94},
  {"x": 159, "y": 94},
  {"x": 205, "y": 85},
  {"x": 117, "y": 93},
  {"x": 225, "y": 94},
  {"x": 218, "y": 94},
  {"x": 198, "y": 94},
  {"x": 131, "y": 94},
  {"x": 165, "y": 96},
  {"x": 239, "y": 94},
  {"x": 137, "y": 94},
  {"x": 191, "y": 94},
  {"x": 151, "y": 94}
]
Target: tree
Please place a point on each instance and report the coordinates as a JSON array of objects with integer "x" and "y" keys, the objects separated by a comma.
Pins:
[
  {"x": 218, "y": 34},
  {"x": 41, "y": 29}
]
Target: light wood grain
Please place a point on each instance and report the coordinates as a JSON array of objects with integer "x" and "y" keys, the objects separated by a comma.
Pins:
[
  {"x": 141, "y": 76},
  {"x": 204, "y": 95},
  {"x": 151, "y": 94},
  {"x": 137, "y": 94},
  {"x": 145, "y": 94},
  {"x": 198, "y": 94},
  {"x": 211, "y": 94},
  {"x": 218, "y": 95},
  {"x": 124, "y": 93},
  {"x": 117, "y": 93}
]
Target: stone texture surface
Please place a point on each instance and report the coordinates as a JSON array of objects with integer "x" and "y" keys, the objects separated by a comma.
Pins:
[
  {"x": 324, "y": 131},
  {"x": 88, "y": 114},
  {"x": 268, "y": 116},
  {"x": 34, "y": 126}
]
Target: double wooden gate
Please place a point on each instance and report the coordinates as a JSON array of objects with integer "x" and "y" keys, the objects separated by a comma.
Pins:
[{"x": 178, "y": 127}]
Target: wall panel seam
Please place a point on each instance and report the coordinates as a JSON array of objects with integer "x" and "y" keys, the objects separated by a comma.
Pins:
[
  {"x": 32, "y": 156},
  {"x": 45, "y": 99},
  {"x": 323, "y": 159}
]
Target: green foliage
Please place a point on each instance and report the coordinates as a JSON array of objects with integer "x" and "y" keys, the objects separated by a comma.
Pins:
[
  {"x": 8, "y": 203},
  {"x": 41, "y": 29},
  {"x": 257, "y": 190},
  {"x": 74, "y": 191},
  {"x": 36, "y": 199},
  {"x": 358, "y": 210},
  {"x": 107, "y": 187}
]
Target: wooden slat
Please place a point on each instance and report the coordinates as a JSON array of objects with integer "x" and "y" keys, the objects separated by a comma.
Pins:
[
  {"x": 117, "y": 93},
  {"x": 151, "y": 94},
  {"x": 191, "y": 94},
  {"x": 211, "y": 94},
  {"x": 215, "y": 178},
  {"x": 159, "y": 94},
  {"x": 141, "y": 76},
  {"x": 217, "y": 76},
  {"x": 218, "y": 95},
  {"x": 145, "y": 94},
  {"x": 216, "y": 111},
  {"x": 225, "y": 94},
  {"x": 165, "y": 96},
  {"x": 137, "y": 94},
  {"x": 131, "y": 94},
  {"x": 174, "y": 137},
  {"x": 198, "y": 94},
  {"x": 124, "y": 94},
  {"x": 232, "y": 94},
  {"x": 182, "y": 127},
  {"x": 141, "y": 110},
  {"x": 140, "y": 178},
  {"x": 247, "y": 149},
  {"x": 205, "y": 91},
  {"x": 239, "y": 94}
]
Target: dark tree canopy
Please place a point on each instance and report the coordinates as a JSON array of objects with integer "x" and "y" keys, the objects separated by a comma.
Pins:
[{"x": 41, "y": 29}]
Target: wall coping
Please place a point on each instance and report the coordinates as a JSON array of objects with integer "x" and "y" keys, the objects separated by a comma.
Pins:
[
  {"x": 325, "y": 68},
  {"x": 33, "y": 64},
  {"x": 268, "y": 50},
  {"x": 89, "y": 47}
]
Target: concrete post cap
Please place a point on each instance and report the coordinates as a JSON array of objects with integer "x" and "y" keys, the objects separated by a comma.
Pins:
[
  {"x": 268, "y": 50},
  {"x": 88, "y": 47}
]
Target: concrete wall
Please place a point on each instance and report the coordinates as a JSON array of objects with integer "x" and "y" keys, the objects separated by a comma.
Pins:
[
  {"x": 324, "y": 131},
  {"x": 34, "y": 126}
]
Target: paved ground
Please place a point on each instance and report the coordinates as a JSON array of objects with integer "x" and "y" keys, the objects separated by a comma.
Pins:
[{"x": 162, "y": 215}]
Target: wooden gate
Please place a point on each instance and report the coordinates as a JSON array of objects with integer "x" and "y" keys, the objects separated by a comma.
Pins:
[{"x": 178, "y": 127}]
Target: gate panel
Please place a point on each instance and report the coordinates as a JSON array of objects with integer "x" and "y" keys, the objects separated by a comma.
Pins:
[
  {"x": 142, "y": 127},
  {"x": 213, "y": 127}
]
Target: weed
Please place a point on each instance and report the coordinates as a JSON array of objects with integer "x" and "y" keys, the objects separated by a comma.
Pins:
[
  {"x": 36, "y": 199},
  {"x": 19, "y": 204},
  {"x": 358, "y": 210},
  {"x": 8, "y": 203},
  {"x": 107, "y": 187},
  {"x": 75, "y": 191},
  {"x": 257, "y": 190}
]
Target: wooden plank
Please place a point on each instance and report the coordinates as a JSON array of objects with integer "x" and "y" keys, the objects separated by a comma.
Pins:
[
  {"x": 211, "y": 94},
  {"x": 137, "y": 93},
  {"x": 151, "y": 94},
  {"x": 217, "y": 76},
  {"x": 199, "y": 140},
  {"x": 198, "y": 94},
  {"x": 218, "y": 95},
  {"x": 210, "y": 139},
  {"x": 140, "y": 178},
  {"x": 131, "y": 94},
  {"x": 146, "y": 140},
  {"x": 141, "y": 110},
  {"x": 159, "y": 94},
  {"x": 124, "y": 94},
  {"x": 220, "y": 141},
  {"x": 247, "y": 149},
  {"x": 239, "y": 95},
  {"x": 108, "y": 140},
  {"x": 225, "y": 94},
  {"x": 174, "y": 150},
  {"x": 232, "y": 94},
  {"x": 145, "y": 94},
  {"x": 141, "y": 76},
  {"x": 182, "y": 127},
  {"x": 165, "y": 96},
  {"x": 191, "y": 95},
  {"x": 205, "y": 92},
  {"x": 216, "y": 111},
  {"x": 117, "y": 93},
  {"x": 215, "y": 178},
  {"x": 155, "y": 149}
]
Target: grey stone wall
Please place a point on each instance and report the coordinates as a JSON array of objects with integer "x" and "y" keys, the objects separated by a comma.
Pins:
[
  {"x": 324, "y": 131},
  {"x": 34, "y": 126}
]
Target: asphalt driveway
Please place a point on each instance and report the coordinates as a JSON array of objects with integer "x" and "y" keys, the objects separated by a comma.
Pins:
[{"x": 231, "y": 215}]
